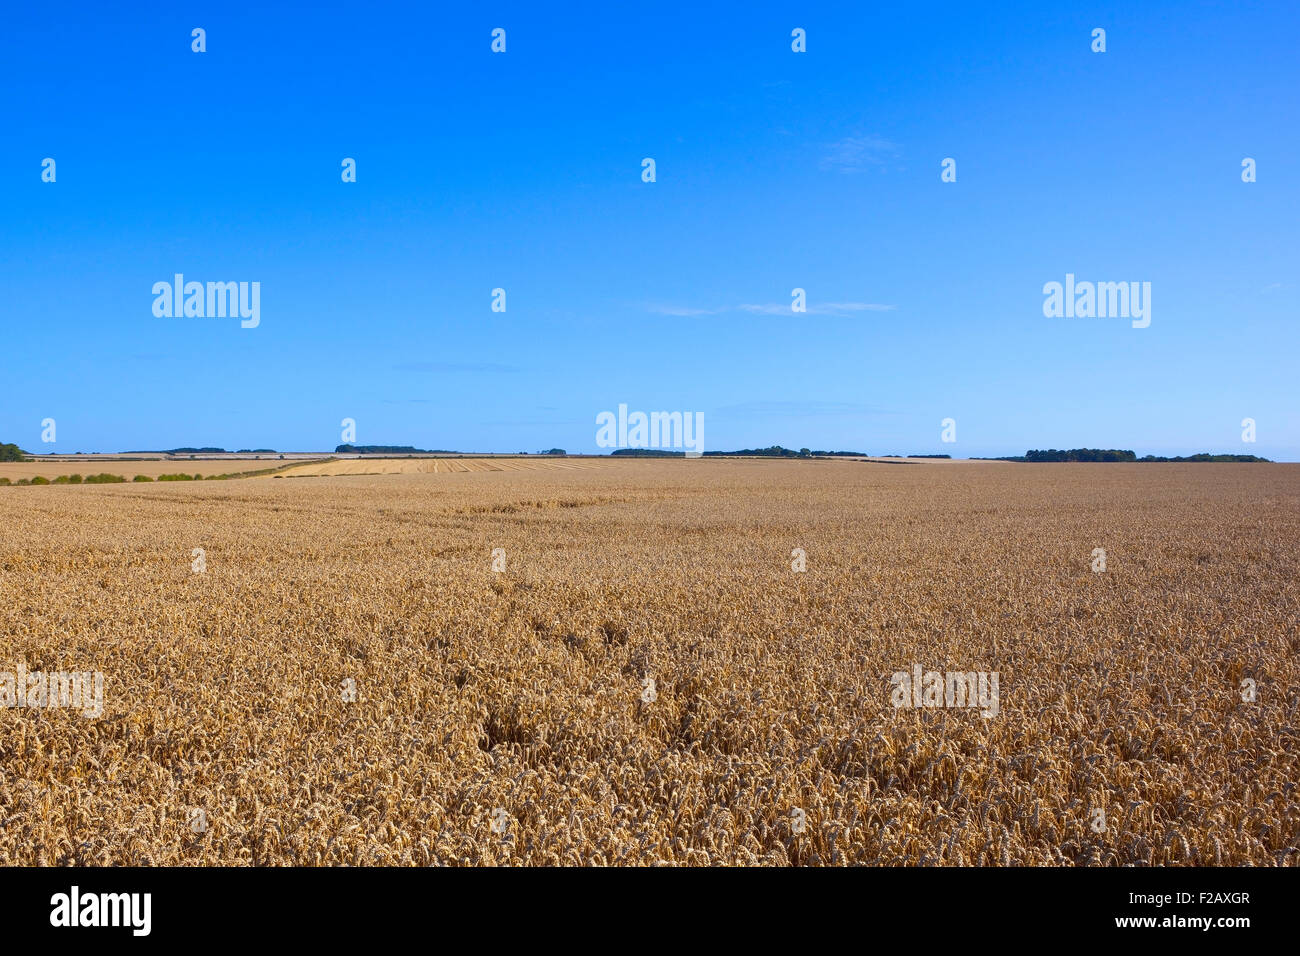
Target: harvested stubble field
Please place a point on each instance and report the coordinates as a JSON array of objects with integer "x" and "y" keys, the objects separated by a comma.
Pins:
[{"x": 516, "y": 698}]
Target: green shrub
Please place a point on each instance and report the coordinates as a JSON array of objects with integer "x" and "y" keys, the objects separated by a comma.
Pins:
[
  {"x": 38, "y": 480},
  {"x": 4, "y": 481},
  {"x": 176, "y": 477},
  {"x": 104, "y": 478},
  {"x": 23, "y": 481},
  {"x": 142, "y": 478}
]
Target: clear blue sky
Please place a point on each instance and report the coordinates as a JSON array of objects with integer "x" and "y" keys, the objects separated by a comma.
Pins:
[{"x": 775, "y": 170}]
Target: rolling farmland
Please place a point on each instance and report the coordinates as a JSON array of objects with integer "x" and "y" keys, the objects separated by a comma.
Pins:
[
  {"x": 647, "y": 679},
  {"x": 130, "y": 467}
]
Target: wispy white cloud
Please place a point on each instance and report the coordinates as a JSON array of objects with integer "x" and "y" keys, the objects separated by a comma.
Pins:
[
  {"x": 514, "y": 423},
  {"x": 454, "y": 367},
  {"x": 853, "y": 154},
  {"x": 819, "y": 308},
  {"x": 680, "y": 310},
  {"x": 776, "y": 308},
  {"x": 799, "y": 409},
  {"x": 838, "y": 307}
]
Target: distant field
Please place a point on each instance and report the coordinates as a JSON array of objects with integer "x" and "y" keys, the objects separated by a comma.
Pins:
[
  {"x": 450, "y": 465},
  {"x": 153, "y": 467},
  {"x": 922, "y": 461},
  {"x": 436, "y": 466},
  {"x": 649, "y": 680}
]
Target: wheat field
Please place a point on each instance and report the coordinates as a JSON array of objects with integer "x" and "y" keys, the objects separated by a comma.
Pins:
[
  {"x": 130, "y": 467},
  {"x": 648, "y": 680},
  {"x": 431, "y": 466}
]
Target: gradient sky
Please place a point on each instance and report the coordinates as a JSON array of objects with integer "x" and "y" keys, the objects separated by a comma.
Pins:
[{"x": 776, "y": 170}]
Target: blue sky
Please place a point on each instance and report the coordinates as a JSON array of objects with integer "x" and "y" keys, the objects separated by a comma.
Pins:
[{"x": 775, "y": 170}]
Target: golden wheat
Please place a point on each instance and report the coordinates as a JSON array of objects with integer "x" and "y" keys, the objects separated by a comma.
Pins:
[{"x": 648, "y": 681}]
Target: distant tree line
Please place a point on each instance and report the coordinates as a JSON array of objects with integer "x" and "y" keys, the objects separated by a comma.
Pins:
[
  {"x": 11, "y": 452},
  {"x": 775, "y": 451},
  {"x": 389, "y": 450},
  {"x": 778, "y": 451},
  {"x": 1081, "y": 454},
  {"x": 1205, "y": 456},
  {"x": 183, "y": 451},
  {"x": 1114, "y": 454}
]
